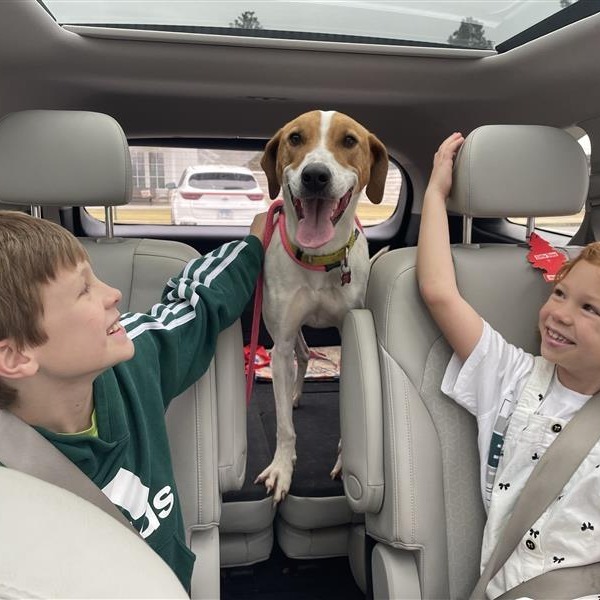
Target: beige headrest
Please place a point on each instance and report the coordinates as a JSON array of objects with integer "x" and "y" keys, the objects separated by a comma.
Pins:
[
  {"x": 63, "y": 158},
  {"x": 519, "y": 171}
]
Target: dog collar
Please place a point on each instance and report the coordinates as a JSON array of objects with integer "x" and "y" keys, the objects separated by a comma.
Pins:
[
  {"x": 323, "y": 262},
  {"x": 328, "y": 261}
]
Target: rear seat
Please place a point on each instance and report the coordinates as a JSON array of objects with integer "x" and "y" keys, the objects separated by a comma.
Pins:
[{"x": 413, "y": 465}]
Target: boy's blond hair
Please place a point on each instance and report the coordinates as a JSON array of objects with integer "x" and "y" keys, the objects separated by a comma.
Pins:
[
  {"x": 32, "y": 251},
  {"x": 591, "y": 254}
]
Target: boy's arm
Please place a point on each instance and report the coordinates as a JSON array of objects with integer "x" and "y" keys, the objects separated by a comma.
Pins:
[
  {"x": 176, "y": 340},
  {"x": 458, "y": 321}
]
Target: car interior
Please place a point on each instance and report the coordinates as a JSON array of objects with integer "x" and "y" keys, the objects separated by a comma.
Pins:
[{"x": 103, "y": 106}]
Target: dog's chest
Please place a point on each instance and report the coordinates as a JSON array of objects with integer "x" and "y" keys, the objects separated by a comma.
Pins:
[{"x": 318, "y": 295}]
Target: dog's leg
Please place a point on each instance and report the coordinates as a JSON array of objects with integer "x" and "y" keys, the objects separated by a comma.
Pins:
[
  {"x": 337, "y": 468},
  {"x": 278, "y": 475},
  {"x": 302, "y": 355}
]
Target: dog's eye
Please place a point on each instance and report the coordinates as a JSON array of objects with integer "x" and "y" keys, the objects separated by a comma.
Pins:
[
  {"x": 295, "y": 139},
  {"x": 350, "y": 141}
]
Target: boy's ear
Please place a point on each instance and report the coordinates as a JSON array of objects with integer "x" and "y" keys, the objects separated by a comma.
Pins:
[{"x": 15, "y": 363}]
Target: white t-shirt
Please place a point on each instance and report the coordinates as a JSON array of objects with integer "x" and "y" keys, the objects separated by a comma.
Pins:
[{"x": 490, "y": 384}]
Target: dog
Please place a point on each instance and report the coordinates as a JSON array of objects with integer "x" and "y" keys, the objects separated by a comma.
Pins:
[{"x": 317, "y": 264}]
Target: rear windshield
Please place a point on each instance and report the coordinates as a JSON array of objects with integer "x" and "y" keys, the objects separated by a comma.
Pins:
[
  {"x": 159, "y": 170},
  {"x": 222, "y": 181}
]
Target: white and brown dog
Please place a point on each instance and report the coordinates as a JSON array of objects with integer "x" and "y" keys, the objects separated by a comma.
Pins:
[{"x": 317, "y": 264}]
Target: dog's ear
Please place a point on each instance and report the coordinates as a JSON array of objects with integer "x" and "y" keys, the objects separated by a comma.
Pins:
[
  {"x": 268, "y": 162},
  {"x": 379, "y": 169}
]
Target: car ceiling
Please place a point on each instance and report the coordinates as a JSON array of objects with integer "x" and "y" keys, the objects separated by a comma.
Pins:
[{"x": 164, "y": 85}]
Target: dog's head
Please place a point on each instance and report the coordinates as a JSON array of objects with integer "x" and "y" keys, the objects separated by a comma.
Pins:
[{"x": 322, "y": 161}]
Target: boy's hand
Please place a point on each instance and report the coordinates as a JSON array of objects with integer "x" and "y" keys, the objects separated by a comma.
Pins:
[
  {"x": 258, "y": 226},
  {"x": 440, "y": 181}
]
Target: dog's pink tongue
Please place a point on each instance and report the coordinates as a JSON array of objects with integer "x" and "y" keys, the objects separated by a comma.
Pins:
[{"x": 316, "y": 228}]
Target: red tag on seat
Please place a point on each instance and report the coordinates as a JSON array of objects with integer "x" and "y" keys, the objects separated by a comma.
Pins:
[{"x": 543, "y": 256}]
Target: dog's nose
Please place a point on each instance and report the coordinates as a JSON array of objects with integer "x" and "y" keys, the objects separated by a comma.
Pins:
[{"x": 315, "y": 177}]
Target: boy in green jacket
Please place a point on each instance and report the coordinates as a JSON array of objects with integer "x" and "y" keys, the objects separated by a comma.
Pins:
[{"x": 95, "y": 383}]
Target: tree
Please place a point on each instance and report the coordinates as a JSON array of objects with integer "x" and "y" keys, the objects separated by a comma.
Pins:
[
  {"x": 247, "y": 20},
  {"x": 470, "y": 34}
]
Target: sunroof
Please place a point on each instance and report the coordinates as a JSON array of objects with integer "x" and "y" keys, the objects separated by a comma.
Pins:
[{"x": 482, "y": 24}]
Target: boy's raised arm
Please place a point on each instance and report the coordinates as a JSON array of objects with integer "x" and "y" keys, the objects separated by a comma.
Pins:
[
  {"x": 458, "y": 321},
  {"x": 177, "y": 338}
]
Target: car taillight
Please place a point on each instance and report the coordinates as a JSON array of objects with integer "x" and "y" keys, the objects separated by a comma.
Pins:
[
  {"x": 256, "y": 196},
  {"x": 190, "y": 195}
]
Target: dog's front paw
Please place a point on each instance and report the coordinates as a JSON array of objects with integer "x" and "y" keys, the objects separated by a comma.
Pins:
[{"x": 277, "y": 478}]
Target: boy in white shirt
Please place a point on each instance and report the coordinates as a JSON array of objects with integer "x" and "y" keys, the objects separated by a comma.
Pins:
[{"x": 521, "y": 402}]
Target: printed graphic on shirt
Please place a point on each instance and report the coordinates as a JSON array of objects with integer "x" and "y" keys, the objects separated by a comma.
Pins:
[
  {"x": 127, "y": 491},
  {"x": 496, "y": 445}
]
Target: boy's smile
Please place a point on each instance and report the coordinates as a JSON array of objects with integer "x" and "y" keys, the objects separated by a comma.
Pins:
[
  {"x": 556, "y": 338},
  {"x": 115, "y": 328},
  {"x": 569, "y": 324}
]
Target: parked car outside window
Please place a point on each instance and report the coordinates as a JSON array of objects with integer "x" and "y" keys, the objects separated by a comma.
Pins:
[{"x": 217, "y": 195}]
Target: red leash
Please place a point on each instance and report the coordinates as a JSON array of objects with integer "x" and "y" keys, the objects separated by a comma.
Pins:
[{"x": 258, "y": 297}]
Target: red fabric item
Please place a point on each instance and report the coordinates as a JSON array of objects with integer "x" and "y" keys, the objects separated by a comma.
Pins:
[
  {"x": 261, "y": 357},
  {"x": 543, "y": 256}
]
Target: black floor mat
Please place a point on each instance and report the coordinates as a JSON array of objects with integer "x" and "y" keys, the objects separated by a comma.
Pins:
[
  {"x": 282, "y": 578},
  {"x": 317, "y": 426}
]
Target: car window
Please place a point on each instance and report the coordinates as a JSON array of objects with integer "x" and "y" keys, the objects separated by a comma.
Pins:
[
  {"x": 214, "y": 186},
  {"x": 465, "y": 24}
]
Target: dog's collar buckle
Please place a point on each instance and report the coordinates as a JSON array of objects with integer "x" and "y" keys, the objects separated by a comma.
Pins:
[{"x": 344, "y": 268}]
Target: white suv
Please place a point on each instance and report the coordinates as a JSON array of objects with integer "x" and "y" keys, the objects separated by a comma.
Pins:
[{"x": 217, "y": 195}]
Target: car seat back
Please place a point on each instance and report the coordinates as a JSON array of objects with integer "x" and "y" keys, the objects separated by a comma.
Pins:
[
  {"x": 410, "y": 454},
  {"x": 56, "y": 545}
]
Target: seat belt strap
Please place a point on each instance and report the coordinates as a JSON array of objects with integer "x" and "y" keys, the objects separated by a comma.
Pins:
[
  {"x": 545, "y": 483},
  {"x": 594, "y": 208},
  {"x": 595, "y": 219},
  {"x": 589, "y": 231},
  {"x": 24, "y": 449},
  {"x": 559, "y": 584}
]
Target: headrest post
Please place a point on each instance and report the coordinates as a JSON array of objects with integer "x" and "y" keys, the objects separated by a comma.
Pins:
[
  {"x": 110, "y": 222},
  {"x": 36, "y": 211},
  {"x": 467, "y": 229},
  {"x": 530, "y": 227}
]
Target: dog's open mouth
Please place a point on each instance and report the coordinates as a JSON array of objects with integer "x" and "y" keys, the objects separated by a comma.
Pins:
[{"x": 317, "y": 218}]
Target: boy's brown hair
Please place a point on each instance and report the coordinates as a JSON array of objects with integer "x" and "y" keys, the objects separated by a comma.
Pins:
[
  {"x": 32, "y": 251},
  {"x": 591, "y": 254}
]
